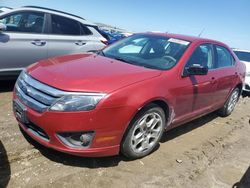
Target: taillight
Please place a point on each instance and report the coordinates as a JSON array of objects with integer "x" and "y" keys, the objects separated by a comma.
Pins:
[{"x": 105, "y": 42}]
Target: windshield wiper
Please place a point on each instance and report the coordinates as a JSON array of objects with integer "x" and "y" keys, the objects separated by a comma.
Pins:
[
  {"x": 135, "y": 63},
  {"x": 149, "y": 66},
  {"x": 124, "y": 60}
]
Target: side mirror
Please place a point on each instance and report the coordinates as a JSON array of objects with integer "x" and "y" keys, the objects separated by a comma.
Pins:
[
  {"x": 195, "y": 69},
  {"x": 3, "y": 27}
]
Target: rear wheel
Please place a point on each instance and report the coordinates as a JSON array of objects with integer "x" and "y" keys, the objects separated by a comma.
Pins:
[
  {"x": 229, "y": 106},
  {"x": 145, "y": 132}
]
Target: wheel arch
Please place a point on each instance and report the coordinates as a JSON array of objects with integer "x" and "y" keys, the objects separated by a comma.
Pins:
[
  {"x": 154, "y": 102},
  {"x": 162, "y": 103},
  {"x": 240, "y": 86}
]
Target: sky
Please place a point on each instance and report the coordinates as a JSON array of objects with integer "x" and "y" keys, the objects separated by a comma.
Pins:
[{"x": 224, "y": 20}]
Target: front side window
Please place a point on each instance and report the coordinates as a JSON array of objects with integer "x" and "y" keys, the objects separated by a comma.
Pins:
[
  {"x": 24, "y": 22},
  {"x": 151, "y": 51},
  {"x": 64, "y": 26},
  {"x": 224, "y": 57},
  {"x": 203, "y": 56}
]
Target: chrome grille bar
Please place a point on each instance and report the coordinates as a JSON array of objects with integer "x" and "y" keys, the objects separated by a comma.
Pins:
[
  {"x": 53, "y": 91},
  {"x": 39, "y": 96},
  {"x": 34, "y": 94},
  {"x": 28, "y": 90},
  {"x": 39, "y": 107}
]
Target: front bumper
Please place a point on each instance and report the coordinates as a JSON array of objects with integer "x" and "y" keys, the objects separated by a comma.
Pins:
[{"x": 109, "y": 125}]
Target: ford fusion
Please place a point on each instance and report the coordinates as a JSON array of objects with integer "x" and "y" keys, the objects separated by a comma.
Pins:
[{"x": 123, "y": 98}]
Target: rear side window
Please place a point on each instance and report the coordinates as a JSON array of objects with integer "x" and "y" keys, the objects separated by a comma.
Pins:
[
  {"x": 64, "y": 26},
  {"x": 203, "y": 55},
  {"x": 224, "y": 57},
  {"x": 85, "y": 30}
]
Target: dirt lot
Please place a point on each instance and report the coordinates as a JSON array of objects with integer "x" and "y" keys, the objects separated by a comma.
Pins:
[{"x": 208, "y": 152}]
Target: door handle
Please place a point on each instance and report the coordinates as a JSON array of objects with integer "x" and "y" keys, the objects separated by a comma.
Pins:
[
  {"x": 80, "y": 43},
  {"x": 213, "y": 80},
  {"x": 38, "y": 42}
]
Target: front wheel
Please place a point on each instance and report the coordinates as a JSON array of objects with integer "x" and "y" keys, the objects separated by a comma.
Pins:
[
  {"x": 229, "y": 106},
  {"x": 145, "y": 132}
]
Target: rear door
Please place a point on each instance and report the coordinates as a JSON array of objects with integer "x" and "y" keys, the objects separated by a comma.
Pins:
[
  {"x": 226, "y": 73},
  {"x": 68, "y": 36},
  {"x": 24, "y": 42}
]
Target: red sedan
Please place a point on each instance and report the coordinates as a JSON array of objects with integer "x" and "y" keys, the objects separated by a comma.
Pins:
[{"x": 124, "y": 97}]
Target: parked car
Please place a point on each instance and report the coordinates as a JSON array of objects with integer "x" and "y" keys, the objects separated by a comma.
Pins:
[
  {"x": 244, "y": 56},
  {"x": 111, "y": 37},
  {"x": 123, "y": 98},
  {"x": 4, "y": 9},
  {"x": 29, "y": 34}
]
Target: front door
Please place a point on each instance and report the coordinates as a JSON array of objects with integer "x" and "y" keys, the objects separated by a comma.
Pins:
[
  {"x": 198, "y": 89},
  {"x": 24, "y": 41}
]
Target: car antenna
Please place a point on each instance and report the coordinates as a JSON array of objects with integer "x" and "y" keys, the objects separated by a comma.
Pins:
[{"x": 201, "y": 32}]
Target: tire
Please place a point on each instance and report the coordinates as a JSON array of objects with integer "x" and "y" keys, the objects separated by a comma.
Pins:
[
  {"x": 144, "y": 132},
  {"x": 228, "y": 108}
]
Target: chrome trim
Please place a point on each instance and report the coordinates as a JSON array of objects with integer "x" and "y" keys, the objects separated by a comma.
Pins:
[
  {"x": 39, "y": 96},
  {"x": 67, "y": 143},
  {"x": 12, "y": 69},
  {"x": 48, "y": 100},
  {"x": 37, "y": 134},
  {"x": 53, "y": 91},
  {"x": 29, "y": 101}
]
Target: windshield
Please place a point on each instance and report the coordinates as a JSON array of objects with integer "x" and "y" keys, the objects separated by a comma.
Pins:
[
  {"x": 156, "y": 52},
  {"x": 243, "y": 56}
]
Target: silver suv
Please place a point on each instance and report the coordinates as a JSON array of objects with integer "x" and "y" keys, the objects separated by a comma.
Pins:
[{"x": 29, "y": 34}]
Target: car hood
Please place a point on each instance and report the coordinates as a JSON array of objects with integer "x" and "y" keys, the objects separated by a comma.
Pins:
[
  {"x": 247, "y": 65},
  {"x": 88, "y": 73}
]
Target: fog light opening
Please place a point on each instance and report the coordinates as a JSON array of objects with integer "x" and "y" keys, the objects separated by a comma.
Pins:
[
  {"x": 85, "y": 139},
  {"x": 77, "y": 140}
]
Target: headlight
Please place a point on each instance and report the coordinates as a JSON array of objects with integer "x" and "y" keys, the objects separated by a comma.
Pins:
[{"x": 77, "y": 102}]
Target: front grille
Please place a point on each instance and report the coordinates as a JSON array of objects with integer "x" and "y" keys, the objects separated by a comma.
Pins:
[
  {"x": 35, "y": 94},
  {"x": 36, "y": 130},
  {"x": 39, "y": 96}
]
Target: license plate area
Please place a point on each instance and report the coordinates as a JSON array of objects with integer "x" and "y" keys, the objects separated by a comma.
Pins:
[{"x": 20, "y": 111}]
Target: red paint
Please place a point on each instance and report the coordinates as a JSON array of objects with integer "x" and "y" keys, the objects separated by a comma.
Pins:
[{"x": 129, "y": 88}]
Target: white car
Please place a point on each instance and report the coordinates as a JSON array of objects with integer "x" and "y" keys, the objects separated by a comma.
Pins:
[
  {"x": 29, "y": 34},
  {"x": 244, "y": 56},
  {"x": 4, "y": 9}
]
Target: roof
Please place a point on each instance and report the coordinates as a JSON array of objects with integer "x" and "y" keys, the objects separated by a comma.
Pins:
[
  {"x": 54, "y": 10},
  {"x": 57, "y": 12},
  {"x": 184, "y": 37}
]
